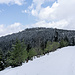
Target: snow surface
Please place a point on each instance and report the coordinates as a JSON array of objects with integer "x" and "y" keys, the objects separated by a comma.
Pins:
[{"x": 60, "y": 62}]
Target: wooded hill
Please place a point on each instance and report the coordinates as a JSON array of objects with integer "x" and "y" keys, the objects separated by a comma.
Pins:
[
  {"x": 34, "y": 37},
  {"x": 23, "y": 46}
]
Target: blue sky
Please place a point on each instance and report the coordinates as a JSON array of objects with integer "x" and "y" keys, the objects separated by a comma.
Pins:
[
  {"x": 12, "y": 13},
  {"x": 16, "y": 15}
]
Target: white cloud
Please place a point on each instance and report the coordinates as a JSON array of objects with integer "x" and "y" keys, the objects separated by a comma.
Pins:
[
  {"x": 13, "y": 28},
  {"x": 58, "y": 24},
  {"x": 37, "y": 10},
  {"x": 18, "y": 2},
  {"x": 35, "y": 7},
  {"x": 60, "y": 15},
  {"x": 47, "y": 13}
]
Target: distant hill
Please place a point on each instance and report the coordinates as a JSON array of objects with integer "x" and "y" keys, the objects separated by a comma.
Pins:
[{"x": 34, "y": 36}]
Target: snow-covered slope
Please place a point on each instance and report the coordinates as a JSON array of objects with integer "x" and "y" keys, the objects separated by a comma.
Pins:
[{"x": 60, "y": 62}]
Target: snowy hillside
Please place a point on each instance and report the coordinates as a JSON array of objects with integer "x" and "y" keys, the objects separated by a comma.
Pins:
[{"x": 60, "y": 62}]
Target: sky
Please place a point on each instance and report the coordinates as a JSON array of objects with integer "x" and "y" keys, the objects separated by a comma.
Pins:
[{"x": 17, "y": 15}]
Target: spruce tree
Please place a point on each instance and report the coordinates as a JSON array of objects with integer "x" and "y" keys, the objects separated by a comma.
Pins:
[
  {"x": 32, "y": 52},
  {"x": 19, "y": 54}
]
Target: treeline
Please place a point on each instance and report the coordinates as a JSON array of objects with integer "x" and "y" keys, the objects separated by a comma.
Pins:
[
  {"x": 21, "y": 53},
  {"x": 35, "y": 36}
]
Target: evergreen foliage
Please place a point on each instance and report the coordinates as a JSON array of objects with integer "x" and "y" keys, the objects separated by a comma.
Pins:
[
  {"x": 1, "y": 60},
  {"x": 32, "y": 53},
  {"x": 51, "y": 46},
  {"x": 21, "y": 52},
  {"x": 55, "y": 45},
  {"x": 32, "y": 42},
  {"x": 48, "y": 47},
  {"x": 18, "y": 55},
  {"x": 56, "y": 36},
  {"x": 73, "y": 43},
  {"x": 8, "y": 58},
  {"x": 63, "y": 43}
]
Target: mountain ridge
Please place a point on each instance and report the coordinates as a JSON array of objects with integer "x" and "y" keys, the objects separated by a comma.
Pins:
[{"x": 33, "y": 36}]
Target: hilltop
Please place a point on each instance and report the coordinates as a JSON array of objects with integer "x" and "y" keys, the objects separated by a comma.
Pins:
[{"x": 34, "y": 36}]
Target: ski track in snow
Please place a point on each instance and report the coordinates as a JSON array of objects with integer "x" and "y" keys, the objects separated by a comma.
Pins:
[{"x": 60, "y": 62}]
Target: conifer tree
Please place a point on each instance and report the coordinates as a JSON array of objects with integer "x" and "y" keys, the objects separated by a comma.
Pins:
[
  {"x": 1, "y": 60},
  {"x": 19, "y": 54},
  {"x": 32, "y": 52},
  {"x": 73, "y": 41},
  {"x": 56, "y": 36}
]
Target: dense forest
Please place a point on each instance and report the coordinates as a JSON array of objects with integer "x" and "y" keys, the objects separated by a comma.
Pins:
[{"x": 23, "y": 46}]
